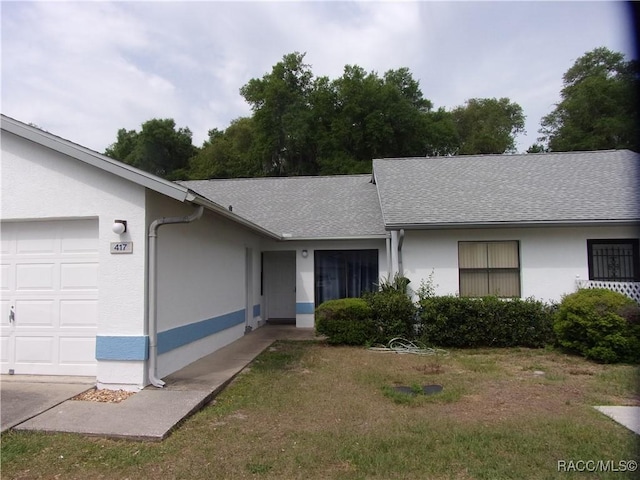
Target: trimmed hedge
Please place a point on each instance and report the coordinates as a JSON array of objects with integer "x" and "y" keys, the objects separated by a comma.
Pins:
[
  {"x": 600, "y": 324},
  {"x": 377, "y": 317},
  {"x": 345, "y": 321},
  {"x": 393, "y": 315},
  {"x": 485, "y": 322}
]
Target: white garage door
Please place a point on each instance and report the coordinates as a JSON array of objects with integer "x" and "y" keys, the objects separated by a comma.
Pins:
[{"x": 49, "y": 306}]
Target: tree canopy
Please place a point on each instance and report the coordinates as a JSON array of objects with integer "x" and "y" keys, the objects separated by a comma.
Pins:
[
  {"x": 158, "y": 148},
  {"x": 228, "y": 154},
  {"x": 488, "y": 125},
  {"x": 307, "y": 125},
  {"x": 599, "y": 105}
]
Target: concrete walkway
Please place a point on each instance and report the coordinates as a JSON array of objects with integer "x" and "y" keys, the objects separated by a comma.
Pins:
[
  {"x": 152, "y": 413},
  {"x": 24, "y": 396},
  {"x": 627, "y": 416}
]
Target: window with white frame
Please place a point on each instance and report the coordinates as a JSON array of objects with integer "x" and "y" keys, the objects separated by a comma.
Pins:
[
  {"x": 614, "y": 260},
  {"x": 489, "y": 268}
]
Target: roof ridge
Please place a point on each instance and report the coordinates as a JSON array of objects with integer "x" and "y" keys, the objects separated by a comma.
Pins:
[
  {"x": 508, "y": 155},
  {"x": 354, "y": 175}
]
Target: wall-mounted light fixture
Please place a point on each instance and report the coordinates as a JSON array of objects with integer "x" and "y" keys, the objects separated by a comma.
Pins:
[
  {"x": 305, "y": 253},
  {"x": 119, "y": 226}
]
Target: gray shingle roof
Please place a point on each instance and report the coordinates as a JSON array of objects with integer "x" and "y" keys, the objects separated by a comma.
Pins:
[
  {"x": 304, "y": 207},
  {"x": 571, "y": 187}
]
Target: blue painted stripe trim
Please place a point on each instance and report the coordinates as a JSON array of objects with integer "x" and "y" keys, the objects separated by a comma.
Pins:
[
  {"x": 122, "y": 348},
  {"x": 305, "y": 307},
  {"x": 256, "y": 310},
  {"x": 185, "y": 334}
]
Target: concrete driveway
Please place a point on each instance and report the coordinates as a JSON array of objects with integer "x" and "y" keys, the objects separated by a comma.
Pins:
[{"x": 24, "y": 396}]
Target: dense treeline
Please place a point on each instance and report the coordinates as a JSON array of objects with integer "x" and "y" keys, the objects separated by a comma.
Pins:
[
  {"x": 307, "y": 125},
  {"x": 599, "y": 105}
]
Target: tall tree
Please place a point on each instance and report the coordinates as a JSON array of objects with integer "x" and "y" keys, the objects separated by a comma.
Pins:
[
  {"x": 281, "y": 112},
  {"x": 441, "y": 135},
  {"x": 599, "y": 105},
  {"x": 379, "y": 117},
  {"x": 488, "y": 125},
  {"x": 228, "y": 154},
  {"x": 124, "y": 145},
  {"x": 306, "y": 125},
  {"x": 159, "y": 148}
]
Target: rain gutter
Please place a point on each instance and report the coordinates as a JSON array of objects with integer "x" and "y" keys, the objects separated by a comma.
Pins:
[
  {"x": 523, "y": 224},
  {"x": 289, "y": 238}
]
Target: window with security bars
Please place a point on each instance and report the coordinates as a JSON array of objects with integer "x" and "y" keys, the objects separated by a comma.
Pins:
[
  {"x": 614, "y": 260},
  {"x": 489, "y": 268}
]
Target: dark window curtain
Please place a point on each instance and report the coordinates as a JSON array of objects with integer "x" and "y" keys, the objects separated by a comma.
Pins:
[
  {"x": 328, "y": 276},
  {"x": 363, "y": 274},
  {"x": 344, "y": 273}
]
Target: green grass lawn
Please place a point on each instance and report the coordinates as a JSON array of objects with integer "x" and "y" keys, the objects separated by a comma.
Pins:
[{"x": 307, "y": 410}]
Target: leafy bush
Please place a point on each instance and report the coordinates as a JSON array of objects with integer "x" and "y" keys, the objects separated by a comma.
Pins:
[
  {"x": 393, "y": 314},
  {"x": 396, "y": 284},
  {"x": 377, "y": 317},
  {"x": 345, "y": 321},
  {"x": 427, "y": 288},
  {"x": 600, "y": 324},
  {"x": 484, "y": 322}
]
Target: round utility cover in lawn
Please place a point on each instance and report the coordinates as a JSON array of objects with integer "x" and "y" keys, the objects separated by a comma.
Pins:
[{"x": 426, "y": 389}]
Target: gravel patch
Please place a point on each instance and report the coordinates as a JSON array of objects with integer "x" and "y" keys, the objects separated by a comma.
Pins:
[{"x": 104, "y": 395}]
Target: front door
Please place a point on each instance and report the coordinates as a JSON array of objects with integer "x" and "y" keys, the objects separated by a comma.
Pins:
[{"x": 280, "y": 285}]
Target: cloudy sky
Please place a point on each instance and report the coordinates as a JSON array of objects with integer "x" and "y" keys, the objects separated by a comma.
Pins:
[{"x": 82, "y": 70}]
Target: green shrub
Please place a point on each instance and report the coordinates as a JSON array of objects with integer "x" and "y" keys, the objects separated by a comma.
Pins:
[
  {"x": 393, "y": 314},
  {"x": 600, "y": 324},
  {"x": 345, "y": 321},
  {"x": 484, "y": 322},
  {"x": 397, "y": 283}
]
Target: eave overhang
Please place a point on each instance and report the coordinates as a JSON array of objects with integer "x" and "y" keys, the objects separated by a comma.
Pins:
[
  {"x": 152, "y": 182},
  {"x": 520, "y": 224}
]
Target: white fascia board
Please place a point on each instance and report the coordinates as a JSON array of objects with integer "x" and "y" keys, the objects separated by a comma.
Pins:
[
  {"x": 524, "y": 224},
  {"x": 83, "y": 154},
  {"x": 380, "y": 236}
]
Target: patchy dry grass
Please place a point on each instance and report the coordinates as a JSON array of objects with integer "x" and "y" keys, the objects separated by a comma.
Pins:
[{"x": 305, "y": 410}]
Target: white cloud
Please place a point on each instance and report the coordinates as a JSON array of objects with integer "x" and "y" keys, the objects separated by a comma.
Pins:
[{"x": 84, "y": 70}]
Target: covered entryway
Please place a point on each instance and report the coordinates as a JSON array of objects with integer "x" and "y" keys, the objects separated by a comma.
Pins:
[
  {"x": 49, "y": 307},
  {"x": 279, "y": 286}
]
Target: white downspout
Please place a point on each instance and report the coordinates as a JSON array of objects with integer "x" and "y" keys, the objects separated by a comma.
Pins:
[
  {"x": 152, "y": 319},
  {"x": 389, "y": 266},
  {"x": 394, "y": 254},
  {"x": 400, "y": 242}
]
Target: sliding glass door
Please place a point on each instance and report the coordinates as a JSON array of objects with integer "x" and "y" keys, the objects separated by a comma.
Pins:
[{"x": 344, "y": 273}]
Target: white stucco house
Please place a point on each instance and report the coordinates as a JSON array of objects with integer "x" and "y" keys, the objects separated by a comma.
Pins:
[{"x": 111, "y": 272}]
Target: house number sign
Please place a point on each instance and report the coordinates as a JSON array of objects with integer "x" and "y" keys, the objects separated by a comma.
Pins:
[{"x": 121, "y": 247}]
